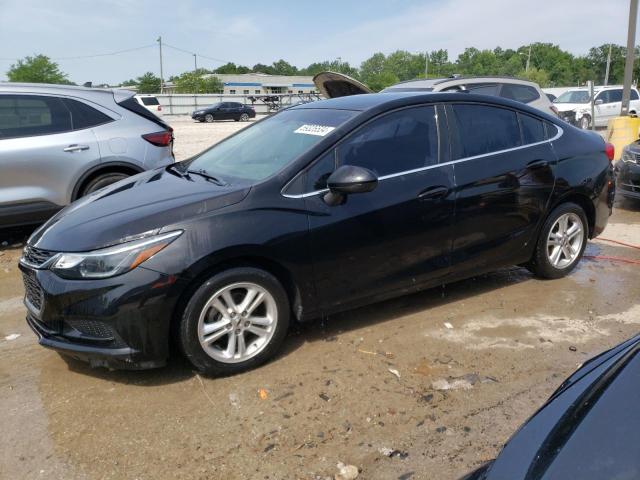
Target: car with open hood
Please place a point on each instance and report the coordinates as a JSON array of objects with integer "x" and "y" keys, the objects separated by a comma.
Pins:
[{"x": 319, "y": 208}]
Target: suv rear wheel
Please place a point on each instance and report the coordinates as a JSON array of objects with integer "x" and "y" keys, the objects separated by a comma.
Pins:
[
  {"x": 234, "y": 321},
  {"x": 102, "y": 181},
  {"x": 561, "y": 243}
]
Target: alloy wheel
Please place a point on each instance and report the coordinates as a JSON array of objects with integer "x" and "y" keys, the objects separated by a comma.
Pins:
[
  {"x": 237, "y": 322},
  {"x": 565, "y": 239},
  {"x": 244, "y": 117},
  {"x": 208, "y": 118}
]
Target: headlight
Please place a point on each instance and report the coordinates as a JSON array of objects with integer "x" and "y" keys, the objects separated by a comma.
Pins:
[{"x": 111, "y": 261}]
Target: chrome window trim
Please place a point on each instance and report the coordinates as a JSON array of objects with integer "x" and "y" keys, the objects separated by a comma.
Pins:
[{"x": 429, "y": 167}]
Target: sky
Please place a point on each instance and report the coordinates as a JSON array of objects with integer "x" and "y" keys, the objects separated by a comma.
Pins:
[{"x": 302, "y": 32}]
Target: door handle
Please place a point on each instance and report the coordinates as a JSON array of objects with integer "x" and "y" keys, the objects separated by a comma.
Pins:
[
  {"x": 75, "y": 148},
  {"x": 431, "y": 193},
  {"x": 535, "y": 164}
]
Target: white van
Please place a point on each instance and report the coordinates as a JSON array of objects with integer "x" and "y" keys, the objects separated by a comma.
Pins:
[{"x": 575, "y": 107}]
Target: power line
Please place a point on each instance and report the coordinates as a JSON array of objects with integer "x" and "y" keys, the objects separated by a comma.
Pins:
[
  {"x": 117, "y": 52},
  {"x": 190, "y": 52}
]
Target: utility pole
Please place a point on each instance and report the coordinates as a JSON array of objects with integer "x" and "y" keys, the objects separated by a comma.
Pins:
[
  {"x": 606, "y": 73},
  {"x": 628, "y": 64},
  {"x": 526, "y": 69},
  {"x": 426, "y": 64},
  {"x": 161, "y": 73},
  {"x": 195, "y": 62}
]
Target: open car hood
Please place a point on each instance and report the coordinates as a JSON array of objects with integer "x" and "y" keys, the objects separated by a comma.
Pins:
[{"x": 333, "y": 85}]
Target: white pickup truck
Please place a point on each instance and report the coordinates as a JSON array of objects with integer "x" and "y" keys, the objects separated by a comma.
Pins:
[{"x": 574, "y": 105}]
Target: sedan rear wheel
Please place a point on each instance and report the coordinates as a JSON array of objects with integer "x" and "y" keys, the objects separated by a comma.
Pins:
[
  {"x": 561, "y": 243},
  {"x": 208, "y": 118},
  {"x": 235, "y": 321}
]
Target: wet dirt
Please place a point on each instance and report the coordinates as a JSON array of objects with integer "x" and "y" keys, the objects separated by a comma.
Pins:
[{"x": 330, "y": 396}]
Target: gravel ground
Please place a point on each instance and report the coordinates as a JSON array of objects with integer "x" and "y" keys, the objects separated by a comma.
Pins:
[{"x": 343, "y": 390}]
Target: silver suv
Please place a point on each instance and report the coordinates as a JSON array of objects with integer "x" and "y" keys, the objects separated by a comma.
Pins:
[{"x": 58, "y": 143}]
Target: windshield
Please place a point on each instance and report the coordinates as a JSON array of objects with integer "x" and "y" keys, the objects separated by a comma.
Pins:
[
  {"x": 573, "y": 96},
  {"x": 261, "y": 150}
]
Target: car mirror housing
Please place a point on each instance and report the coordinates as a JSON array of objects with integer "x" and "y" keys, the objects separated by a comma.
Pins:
[
  {"x": 598, "y": 102},
  {"x": 347, "y": 180}
]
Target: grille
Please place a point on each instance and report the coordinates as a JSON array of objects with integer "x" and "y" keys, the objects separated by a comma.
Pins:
[
  {"x": 32, "y": 289},
  {"x": 92, "y": 328},
  {"x": 631, "y": 157},
  {"x": 36, "y": 256}
]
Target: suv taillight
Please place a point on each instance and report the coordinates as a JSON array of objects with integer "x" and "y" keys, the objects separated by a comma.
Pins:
[
  {"x": 610, "y": 151},
  {"x": 159, "y": 139},
  {"x": 159, "y": 108}
]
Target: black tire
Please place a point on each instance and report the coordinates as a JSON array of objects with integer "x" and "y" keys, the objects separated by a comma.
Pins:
[
  {"x": 102, "y": 181},
  {"x": 188, "y": 328},
  {"x": 208, "y": 118},
  {"x": 540, "y": 264},
  {"x": 244, "y": 117}
]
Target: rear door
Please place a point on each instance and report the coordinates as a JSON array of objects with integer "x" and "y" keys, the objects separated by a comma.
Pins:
[
  {"x": 399, "y": 235},
  {"x": 40, "y": 156},
  {"x": 504, "y": 179}
]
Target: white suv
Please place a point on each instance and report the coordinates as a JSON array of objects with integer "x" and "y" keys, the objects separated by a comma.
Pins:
[
  {"x": 575, "y": 107},
  {"x": 332, "y": 84}
]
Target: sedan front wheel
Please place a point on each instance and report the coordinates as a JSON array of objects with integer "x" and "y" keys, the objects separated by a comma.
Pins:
[{"x": 235, "y": 321}]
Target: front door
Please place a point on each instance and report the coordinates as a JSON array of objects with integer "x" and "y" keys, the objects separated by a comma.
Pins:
[
  {"x": 399, "y": 235},
  {"x": 503, "y": 166}
]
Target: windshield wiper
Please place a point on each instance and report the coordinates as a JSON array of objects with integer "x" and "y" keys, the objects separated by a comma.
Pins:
[
  {"x": 203, "y": 173},
  {"x": 174, "y": 168}
]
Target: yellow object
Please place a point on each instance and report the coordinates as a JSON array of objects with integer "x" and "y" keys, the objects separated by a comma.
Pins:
[{"x": 621, "y": 131}]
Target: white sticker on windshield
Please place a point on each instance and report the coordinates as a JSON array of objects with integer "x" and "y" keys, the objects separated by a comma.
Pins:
[{"x": 319, "y": 130}]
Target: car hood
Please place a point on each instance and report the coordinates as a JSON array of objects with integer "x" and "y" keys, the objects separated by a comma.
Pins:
[
  {"x": 594, "y": 406},
  {"x": 565, "y": 107},
  {"x": 334, "y": 85},
  {"x": 139, "y": 204}
]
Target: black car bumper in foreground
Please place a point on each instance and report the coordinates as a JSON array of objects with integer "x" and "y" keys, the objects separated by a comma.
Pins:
[
  {"x": 628, "y": 177},
  {"x": 119, "y": 322}
]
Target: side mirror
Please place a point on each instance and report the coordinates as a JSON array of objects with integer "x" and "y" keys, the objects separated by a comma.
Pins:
[
  {"x": 598, "y": 102},
  {"x": 347, "y": 180}
]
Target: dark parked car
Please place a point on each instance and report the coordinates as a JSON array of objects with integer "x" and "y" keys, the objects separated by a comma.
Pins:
[
  {"x": 589, "y": 429},
  {"x": 224, "y": 111},
  {"x": 628, "y": 171},
  {"x": 319, "y": 208}
]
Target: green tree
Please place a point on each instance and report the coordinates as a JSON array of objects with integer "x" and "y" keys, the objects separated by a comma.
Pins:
[
  {"x": 336, "y": 65},
  {"x": 198, "y": 82},
  {"x": 148, "y": 83},
  {"x": 262, "y": 68},
  {"x": 282, "y": 67},
  {"x": 541, "y": 77},
  {"x": 231, "y": 68},
  {"x": 37, "y": 69}
]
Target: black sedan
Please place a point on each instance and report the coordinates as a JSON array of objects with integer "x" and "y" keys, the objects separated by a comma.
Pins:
[
  {"x": 628, "y": 171},
  {"x": 589, "y": 429},
  {"x": 316, "y": 209},
  {"x": 224, "y": 111}
]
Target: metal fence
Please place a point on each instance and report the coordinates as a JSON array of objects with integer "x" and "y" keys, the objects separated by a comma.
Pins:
[{"x": 184, "y": 104}]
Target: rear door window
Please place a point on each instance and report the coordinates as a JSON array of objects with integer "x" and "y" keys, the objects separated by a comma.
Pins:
[
  {"x": 398, "y": 142},
  {"x": 481, "y": 129},
  {"x": 483, "y": 88},
  {"x": 533, "y": 130},
  {"x": 519, "y": 93},
  {"x": 84, "y": 116},
  {"x": 31, "y": 115},
  {"x": 615, "y": 95},
  {"x": 150, "y": 101}
]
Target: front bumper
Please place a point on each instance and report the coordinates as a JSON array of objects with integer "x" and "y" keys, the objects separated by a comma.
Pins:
[
  {"x": 198, "y": 117},
  {"x": 628, "y": 179},
  {"x": 119, "y": 322}
]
